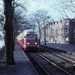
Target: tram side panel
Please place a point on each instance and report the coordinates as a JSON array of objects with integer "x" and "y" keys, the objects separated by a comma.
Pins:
[
  {"x": 27, "y": 43},
  {"x": 20, "y": 39}
]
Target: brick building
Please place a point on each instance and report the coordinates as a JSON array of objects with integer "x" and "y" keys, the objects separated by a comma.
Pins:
[{"x": 62, "y": 32}]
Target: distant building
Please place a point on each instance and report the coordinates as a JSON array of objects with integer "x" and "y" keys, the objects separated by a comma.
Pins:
[{"x": 62, "y": 32}]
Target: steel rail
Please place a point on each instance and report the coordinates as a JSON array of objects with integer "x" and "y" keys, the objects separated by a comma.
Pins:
[
  {"x": 68, "y": 59},
  {"x": 41, "y": 68},
  {"x": 54, "y": 64}
]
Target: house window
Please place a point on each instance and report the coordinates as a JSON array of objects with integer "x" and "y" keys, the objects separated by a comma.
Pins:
[
  {"x": 61, "y": 21},
  {"x": 57, "y": 22},
  {"x": 74, "y": 33},
  {"x": 66, "y": 38},
  {"x": 66, "y": 23},
  {"x": 66, "y": 30}
]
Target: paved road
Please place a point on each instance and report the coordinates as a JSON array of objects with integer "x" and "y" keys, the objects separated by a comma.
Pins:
[{"x": 63, "y": 47}]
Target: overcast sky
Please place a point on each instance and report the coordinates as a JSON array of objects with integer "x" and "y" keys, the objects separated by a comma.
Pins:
[
  {"x": 43, "y": 4},
  {"x": 48, "y": 5}
]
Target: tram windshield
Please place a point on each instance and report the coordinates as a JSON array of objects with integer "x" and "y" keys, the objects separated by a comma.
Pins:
[{"x": 31, "y": 36}]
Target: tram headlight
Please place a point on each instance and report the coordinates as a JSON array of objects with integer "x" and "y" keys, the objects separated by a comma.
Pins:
[
  {"x": 35, "y": 43},
  {"x": 27, "y": 43}
]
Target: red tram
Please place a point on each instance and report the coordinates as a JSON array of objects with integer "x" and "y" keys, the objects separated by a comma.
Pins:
[{"x": 29, "y": 40}]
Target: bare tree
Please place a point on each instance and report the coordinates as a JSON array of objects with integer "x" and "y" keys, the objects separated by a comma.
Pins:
[
  {"x": 66, "y": 8},
  {"x": 8, "y": 27},
  {"x": 19, "y": 18},
  {"x": 41, "y": 17}
]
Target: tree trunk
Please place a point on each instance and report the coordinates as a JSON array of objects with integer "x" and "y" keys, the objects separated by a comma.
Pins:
[{"x": 8, "y": 27}]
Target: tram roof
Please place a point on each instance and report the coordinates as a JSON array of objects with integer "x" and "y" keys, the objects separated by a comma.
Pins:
[{"x": 30, "y": 31}]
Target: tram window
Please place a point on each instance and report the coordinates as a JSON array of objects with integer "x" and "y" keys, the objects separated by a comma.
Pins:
[{"x": 31, "y": 36}]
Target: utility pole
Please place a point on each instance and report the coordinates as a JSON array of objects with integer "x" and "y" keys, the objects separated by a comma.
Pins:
[
  {"x": 39, "y": 31},
  {"x": 8, "y": 28},
  {"x": 44, "y": 33}
]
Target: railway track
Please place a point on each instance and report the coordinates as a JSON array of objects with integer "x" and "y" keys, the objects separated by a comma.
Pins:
[
  {"x": 65, "y": 60},
  {"x": 49, "y": 67},
  {"x": 39, "y": 68},
  {"x": 63, "y": 55},
  {"x": 66, "y": 56},
  {"x": 56, "y": 65}
]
